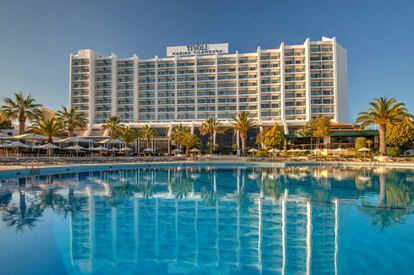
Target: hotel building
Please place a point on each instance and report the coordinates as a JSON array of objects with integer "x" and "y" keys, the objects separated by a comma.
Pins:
[{"x": 287, "y": 85}]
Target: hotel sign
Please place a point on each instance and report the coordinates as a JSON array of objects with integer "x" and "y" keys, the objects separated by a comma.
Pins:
[{"x": 198, "y": 49}]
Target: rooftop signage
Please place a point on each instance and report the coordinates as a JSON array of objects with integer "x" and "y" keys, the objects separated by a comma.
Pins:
[{"x": 198, "y": 49}]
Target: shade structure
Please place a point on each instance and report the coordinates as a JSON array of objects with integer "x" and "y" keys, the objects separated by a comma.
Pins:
[
  {"x": 101, "y": 148},
  {"x": 113, "y": 150},
  {"x": 126, "y": 149},
  {"x": 148, "y": 150},
  {"x": 111, "y": 141},
  {"x": 195, "y": 150},
  {"x": 253, "y": 150},
  {"x": 177, "y": 150},
  {"x": 49, "y": 146},
  {"x": 364, "y": 149},
  {"x": 18, "y": 144},
  {"x": 75, "y": 140},
  {"x": 274, "y": 150},
  {"x": 91, "y": 148},
  {"x": 6, "y": 145},
  {"x": 75, "y": 148},
  {"x": 291, "y": 150},
  {"x": 30, "y": 136}
]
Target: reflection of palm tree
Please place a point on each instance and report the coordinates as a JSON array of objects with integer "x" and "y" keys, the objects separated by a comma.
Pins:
[
  {"x": 395, "y": 200},
  {"x": 147, "y": 192},
  {"x": 22, "y": 216},
  {"x": 244, "y": 199},
  {"x": 121, "y": 193},
  {"x": 272, "y": 188},
  {"x": 181, "y": 187}
]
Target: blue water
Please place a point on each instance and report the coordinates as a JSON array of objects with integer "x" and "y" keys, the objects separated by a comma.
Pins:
[{"x": 209, "y": 220}]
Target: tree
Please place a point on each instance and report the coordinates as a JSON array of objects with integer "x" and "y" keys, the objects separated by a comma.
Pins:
[
  {"x": 399, "y": 134},
  {"x": 113, "y": 125},
  {"x": 147, "y": 133},
  {"x": 177, "y": 133},
  {"x": 242, "y": 123},
  {"x": 190, "y": 141},
  {"x": 318, "y": 127},
  {"x": 48, "y": 127},
  {"x": 271, "y": 138},
  {"x": 21, "y": 108},
  {"x": 5, "y": 123},
  {"x": 127, "y": 134},
  {"x": 360, "y": 143},
  {"x": 210, "y": 127},
  {"x": 381, "y": 112},
  {"x": 71, "y": 120}
]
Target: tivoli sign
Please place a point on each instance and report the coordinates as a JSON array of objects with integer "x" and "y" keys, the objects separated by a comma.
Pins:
[{"x": 198, "y": 49}]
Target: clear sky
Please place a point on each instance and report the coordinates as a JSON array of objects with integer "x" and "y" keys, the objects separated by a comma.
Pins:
[{"x": 36, "y": 37}]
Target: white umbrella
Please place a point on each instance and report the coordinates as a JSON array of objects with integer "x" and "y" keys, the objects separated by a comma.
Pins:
[
  {"x": 364, "y": 149},
  {"x": 253, "y": 150},
  {"x": 18, "y": 144},
  {"x": 101, "y": 148},
  {"x": 177, "y": 151},
  {"x": 76, "y": 148},
  {"x": 274, "y": 151},
  {"x": 111, "y": 141},
  {"x": 49, "y": 147},
  {"x": 148, "y": 150},
  {"x": 5, "y": 146},
  {"x": 125, "y": 149},
  {"x": 113, "y": 150},
  {"x": 195, "y": 150},
  {"x": 74, "y": 140},
  {"x": 30, "y": 136}
]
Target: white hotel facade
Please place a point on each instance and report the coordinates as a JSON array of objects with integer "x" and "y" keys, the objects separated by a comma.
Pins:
[{"x": 287, "y": 85}]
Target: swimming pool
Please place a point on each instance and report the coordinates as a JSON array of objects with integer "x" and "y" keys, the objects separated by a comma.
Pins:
[{"x": 209, "y": 219}]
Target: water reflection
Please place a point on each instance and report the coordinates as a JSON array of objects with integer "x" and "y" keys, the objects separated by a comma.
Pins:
[{"x": 207, "y": 219}]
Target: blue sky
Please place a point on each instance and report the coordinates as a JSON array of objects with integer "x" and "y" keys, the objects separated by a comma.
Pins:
[{"x": 36, "y": 38}]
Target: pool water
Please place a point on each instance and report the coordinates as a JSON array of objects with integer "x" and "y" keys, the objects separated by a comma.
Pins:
[{"x": 209, "y": 220}]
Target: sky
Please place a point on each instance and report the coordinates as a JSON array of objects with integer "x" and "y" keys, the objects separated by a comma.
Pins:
[{"x": 36, "y": 38}]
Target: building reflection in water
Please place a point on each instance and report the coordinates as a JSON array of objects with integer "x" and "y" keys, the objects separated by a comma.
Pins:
[{"x": 199, "y": 219}]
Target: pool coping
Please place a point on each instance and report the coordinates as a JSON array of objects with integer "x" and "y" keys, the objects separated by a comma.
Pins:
[{"x": 87, "y": 167}]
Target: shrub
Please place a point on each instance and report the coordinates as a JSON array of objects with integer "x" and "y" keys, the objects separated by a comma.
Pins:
[
  {"x": 392, "y": 151},
  {"x": 360, "y": 142}
]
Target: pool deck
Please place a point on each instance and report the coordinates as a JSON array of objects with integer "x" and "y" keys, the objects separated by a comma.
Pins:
[{"x": 7, "y": 171}]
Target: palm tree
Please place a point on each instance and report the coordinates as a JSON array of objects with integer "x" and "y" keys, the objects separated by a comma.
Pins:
[
  {"x": 48, "y": 127},
  {"x": 210, "y": 127},
  {"x": 242, "y": 123},
  {"x": 147, "y": 133},
  {"x": 381, "y": 111},
  {"x": 113, "y": 125},
  {"x": 190, "y": 141},
  {"x": 71, "y": 120},
  {"x": 127, "y": 134},
  {"x": 21, "y": 108},
  {"x": 177, "y": 133}
]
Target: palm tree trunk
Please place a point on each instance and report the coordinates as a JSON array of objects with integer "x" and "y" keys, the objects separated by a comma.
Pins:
[
  {"x": 382, "y": 135},
  {"x": 243, "y": 140},
  {"x": 187, "y": 151},
  {"x": 22, "y": 121},
  {"x": 382, "y": 196},
  {"x": 70, "y": 132}
]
